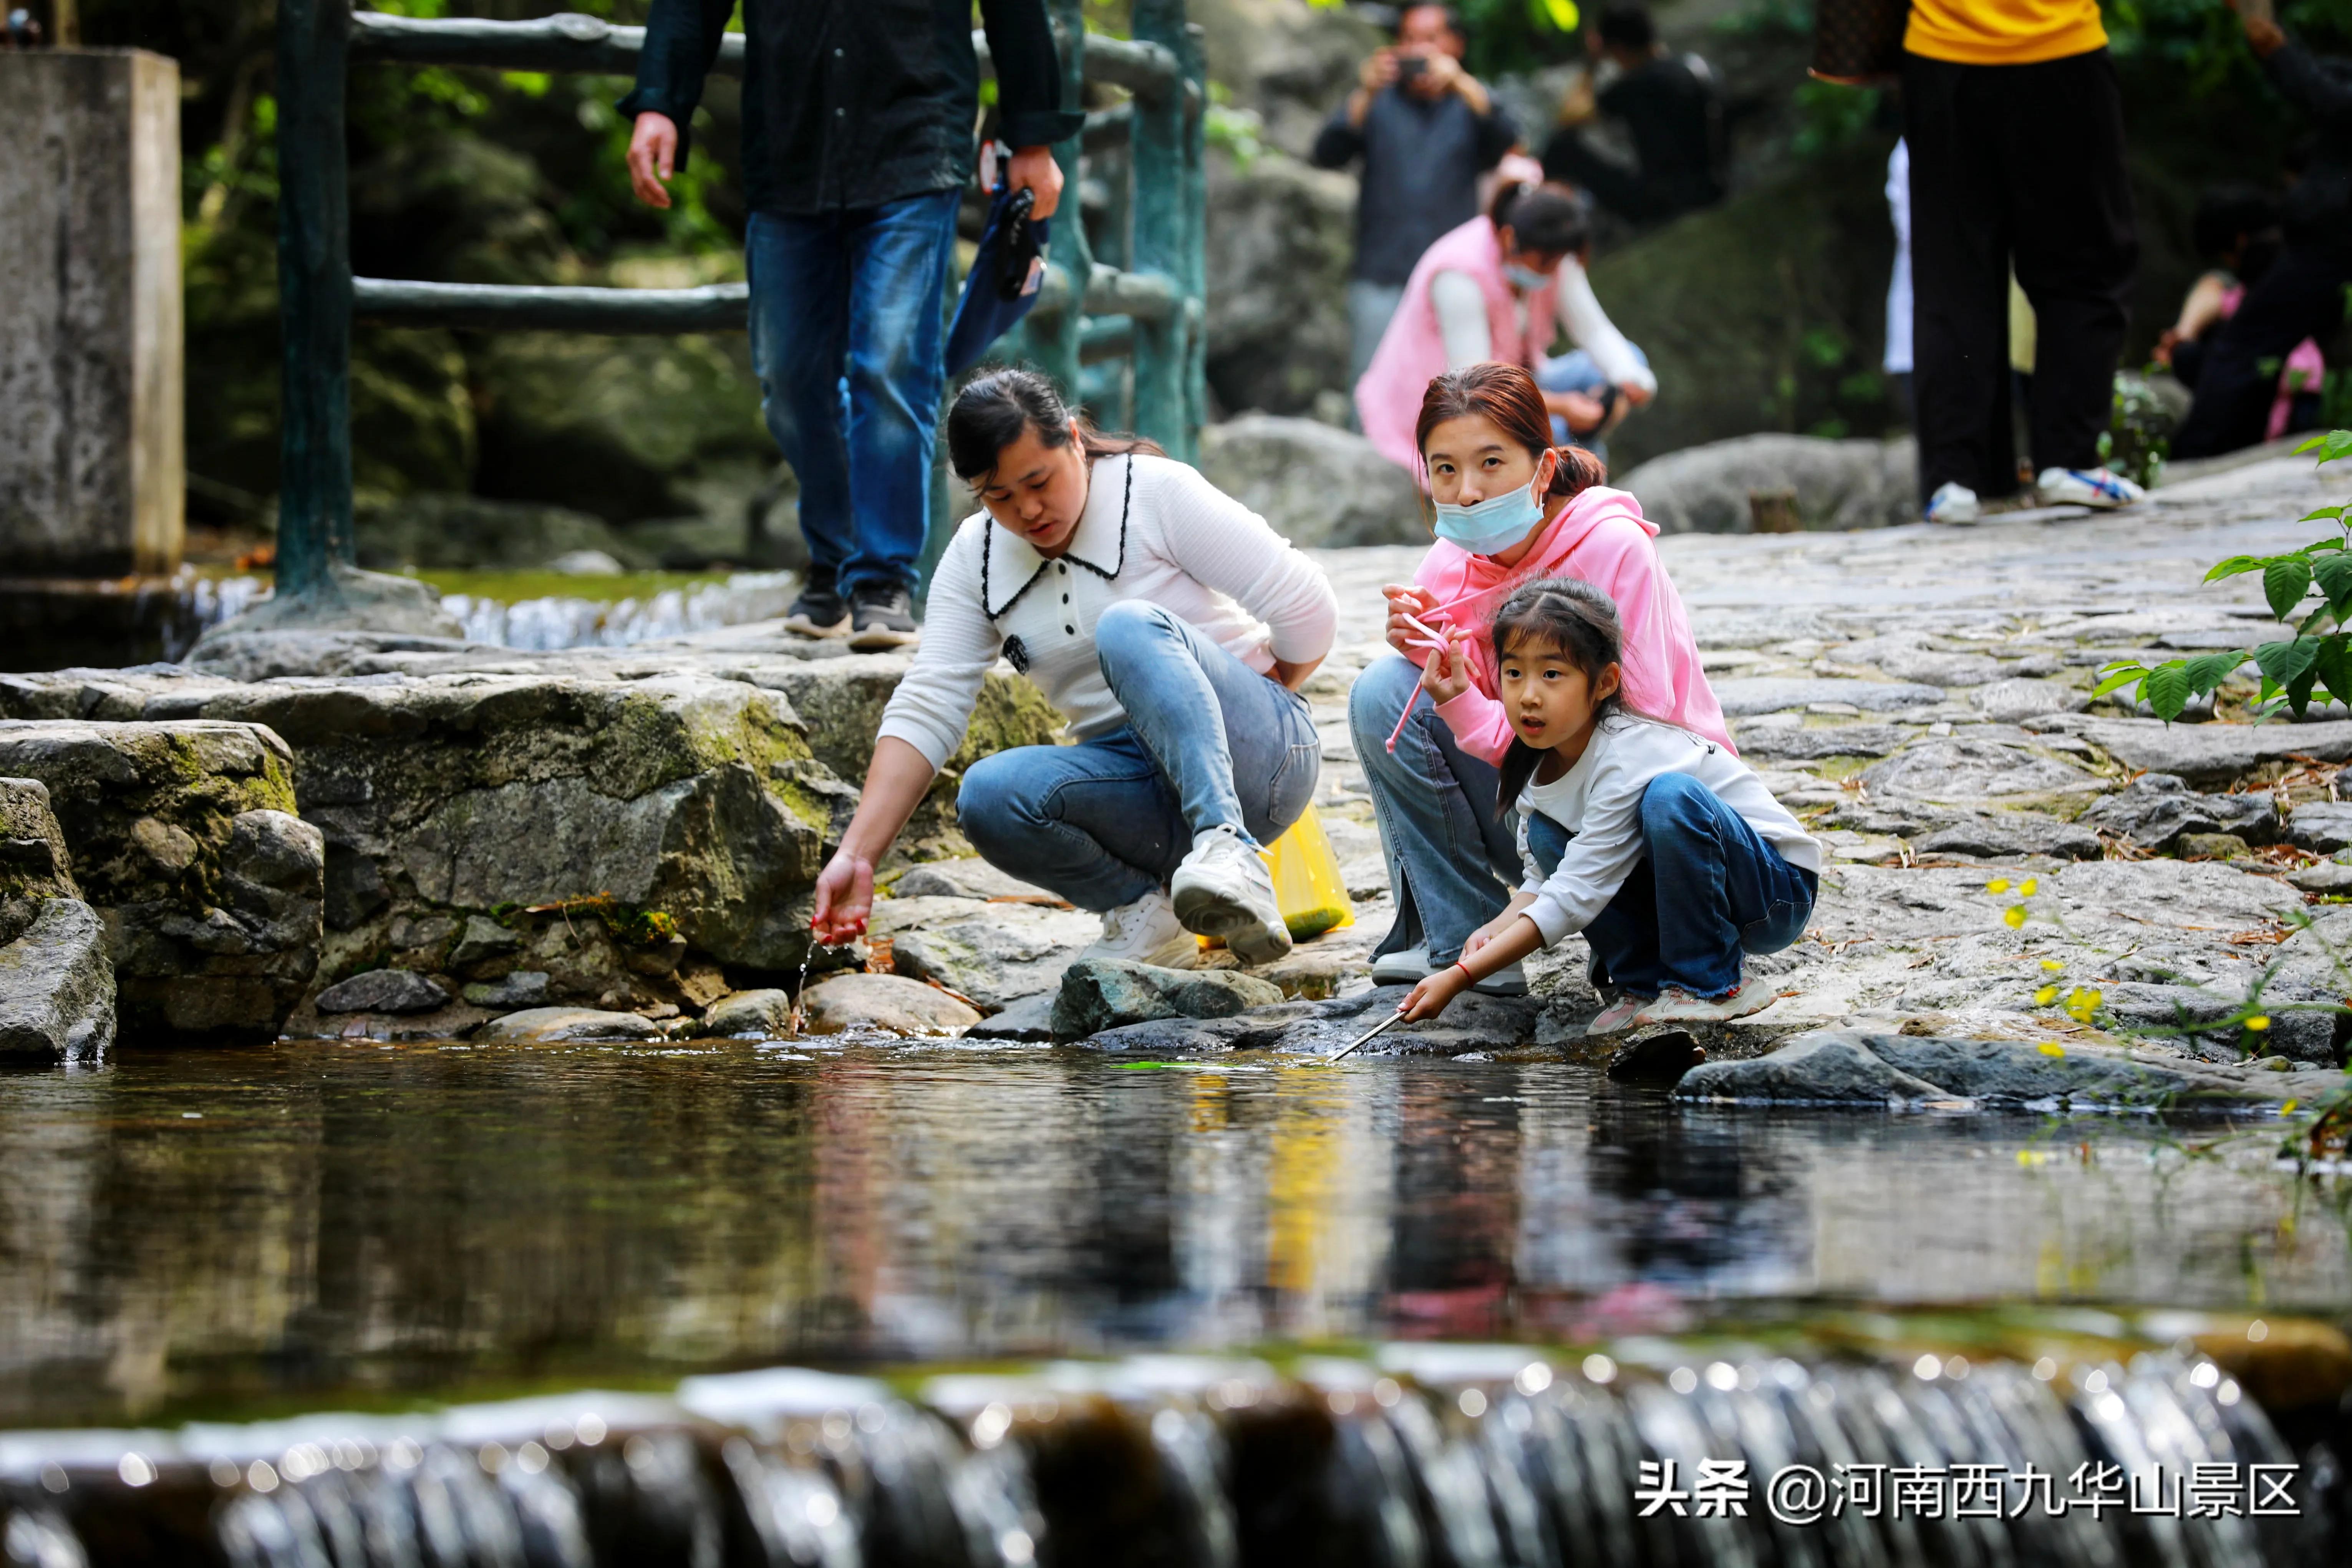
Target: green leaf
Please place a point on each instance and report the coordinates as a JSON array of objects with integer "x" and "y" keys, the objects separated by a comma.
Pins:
[
  {"x": 2334, "y": 666},
  {"x": 2287, "y": 662},
  {"x": 2298, "y": 691},
  {"x": 2334, "y": 575},
  {"x": 2284, "y": 582},
  {"x": 2208, "y": 670},
  {"x": 2236, "y": 565},
  {"x": 2332, "y": 514},
  {"x": 2166, "y": 690},
  {"x": 2116, "y": 677},
  {"x": 2332, "y": 446}
]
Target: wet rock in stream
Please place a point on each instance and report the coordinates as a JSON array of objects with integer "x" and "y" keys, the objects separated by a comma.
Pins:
[
  {"x": 1098, "y": 994},
  {"x": 56, "y": 987},
  {"x": 1474, "y": 1022}
]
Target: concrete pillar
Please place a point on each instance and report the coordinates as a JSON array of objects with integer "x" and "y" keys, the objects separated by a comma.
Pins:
[{"x": 92, "y": 461}]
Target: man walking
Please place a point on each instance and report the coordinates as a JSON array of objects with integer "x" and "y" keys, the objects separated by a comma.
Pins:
[
  {"x": 2015, "y": 128},
  {"x": 1426, "y": 129},
  {"x": 858, "y": 140}
]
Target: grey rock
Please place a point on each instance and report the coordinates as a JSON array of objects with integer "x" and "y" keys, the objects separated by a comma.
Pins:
[
  {"x": 2324, "y": 825},
  {"x": 2002, "y": 833},
  {"x": 993, "y": 953},
  {"x": 2211, "y": 847},
  {"x": 1962, "y": 771},
  {"x": 2156, "y": 810},
  {"x": 2327, "y": 876},
  {"x": 1840, "y": 485},
  {"x": 1030, "y": 1020},
  {"x": 1474, "y": 1022},
  {"x": 523, "y": 988},
  {"x": 1318, "y": 485},
  {"x": 435, "y": 528},
  {"x": 1100, "y": 993},
  {"x": 1279, "y": 241},
  {"x": 385, "y": 991},
  {"x": 760, "y": 1014},
  {"x": 1805, "y": 742},
  {"x": 1773, "y": 693},
  {"x": 2010, "y": 700},
  {"x": 1849, "y": 1068},
  {"x": 1821, "y": 1068},
  {"x": 890, "y": 1004},
  {"x": 56, "y": 987},
  {"x": 483, "y": 937},
  {"x": 967, "y": 877},
  {"x": 557, "y": 1026},
  {"x": 2209, "y": 754},
  {"x": 35, "y": 864}
]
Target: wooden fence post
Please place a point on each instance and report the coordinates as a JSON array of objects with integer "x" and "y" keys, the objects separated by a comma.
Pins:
[{"x": 314, "y": 294}]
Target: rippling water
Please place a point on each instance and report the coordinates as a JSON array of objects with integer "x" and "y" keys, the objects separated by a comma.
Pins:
[{"x": 187, "y": 1231}]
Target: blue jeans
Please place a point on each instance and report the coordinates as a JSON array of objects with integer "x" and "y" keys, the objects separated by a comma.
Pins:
[
  {"x": 1452, "y": 860},
  {"x": 1707, "y": 889},
  {"x": 847, "y": 341},
  {"x": 1576, "y": 372},
  {"x": 1209, "y": 744}
]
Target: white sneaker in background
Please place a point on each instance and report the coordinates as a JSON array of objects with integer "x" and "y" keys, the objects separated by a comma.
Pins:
[
  {"x": 1511, "y": 980},
  {"x": 1954, "y": 503},
  {"x": 1408, "y": 966},
  {"x": 1224, "y": 889},
  {"x": 2096, "y": 487},
  {"x": 1146, "y": 932}
]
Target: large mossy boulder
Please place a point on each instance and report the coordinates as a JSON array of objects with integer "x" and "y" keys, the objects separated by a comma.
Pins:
[
  {"x": 56, "y": 983},
  {"x": 1316, "y": 484},
  {"x": 1280, "y": 242},
  {"x": 184, "y": 839}
]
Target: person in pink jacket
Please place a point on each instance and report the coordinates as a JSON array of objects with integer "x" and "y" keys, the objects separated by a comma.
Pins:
[{"x": 1511, "y": 507}]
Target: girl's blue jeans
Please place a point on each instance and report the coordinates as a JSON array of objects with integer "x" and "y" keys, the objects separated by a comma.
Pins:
[{"x": 1209, "y": 742}]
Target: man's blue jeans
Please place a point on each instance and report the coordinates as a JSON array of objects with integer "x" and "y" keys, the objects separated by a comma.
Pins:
[
  {"x": 1209, "y": 742},
  {"x": 847, "y": 341},
  {"x": 1707, "y": 889},
  {"x": 1576, "y": 371}
]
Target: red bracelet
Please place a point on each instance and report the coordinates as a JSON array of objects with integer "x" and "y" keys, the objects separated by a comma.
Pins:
[{"x": 1465, "y": 972}]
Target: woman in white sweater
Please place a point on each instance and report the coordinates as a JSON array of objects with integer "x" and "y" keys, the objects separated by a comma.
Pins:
[
  {"x": 1169, "y": 623},
  {"x": 1677, "y": 861}
]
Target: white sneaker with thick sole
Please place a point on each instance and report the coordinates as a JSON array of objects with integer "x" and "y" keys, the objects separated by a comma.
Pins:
[
  {"x": 1678, "y": 1006},
  {"x": 1224, "y": 890},
  {"x": 1146, "y": 932},
  {"x": 1408, "y": 966},
  {"x": 1619, "y": 1016},
  {"x": 1952, "y": 502},
  {"x": 2097, "y": 488},
  {"x": 1511, "y": 980}
]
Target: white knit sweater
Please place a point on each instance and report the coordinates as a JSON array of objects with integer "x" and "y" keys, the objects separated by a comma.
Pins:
[{"x": 1172, "y": 540}]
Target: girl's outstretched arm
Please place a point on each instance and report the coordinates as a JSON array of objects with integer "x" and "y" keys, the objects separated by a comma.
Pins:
[{"x": 1428, "y": 998}]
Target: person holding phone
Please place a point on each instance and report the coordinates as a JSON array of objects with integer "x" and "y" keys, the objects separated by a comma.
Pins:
[{"x": 1425, "y": 129}]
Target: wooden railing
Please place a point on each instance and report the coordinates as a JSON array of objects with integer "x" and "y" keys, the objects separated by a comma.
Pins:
[{"x": 1130, "y": 349}]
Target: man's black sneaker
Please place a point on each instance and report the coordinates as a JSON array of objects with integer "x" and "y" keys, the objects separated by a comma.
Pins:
[
  {"x": 881, "y": 617},
  {"x": 819, "y": 612}
]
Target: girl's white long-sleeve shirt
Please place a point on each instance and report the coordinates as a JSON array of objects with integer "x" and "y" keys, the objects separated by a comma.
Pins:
[
  {"x": 1461, "y": 308},
  {"x": 1599, "y": 803},
  {"x": 1153, "y": 530}
]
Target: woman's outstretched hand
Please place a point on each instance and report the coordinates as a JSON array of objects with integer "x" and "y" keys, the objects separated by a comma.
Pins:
[
  {"x": 845, "y": 898},
  {"x": 1406, "y": 601},
  {"x": 1428, "y": 998},
  {"x": 1446, "y": 675}
]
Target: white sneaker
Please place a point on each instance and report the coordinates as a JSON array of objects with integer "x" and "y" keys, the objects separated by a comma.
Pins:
[
  {"x": 2096, "y": 487},
  {"x": 1675, "y": 1006},
  {"x": 1955, "y": 502},
  {"x": 1224, "y": 888},
  {"x": 1619, "y": 1016},
  {"x": 1511, "y": 980},
  {"x": 1409, "y": 966},
  {"x": 1146, "y": 932}
]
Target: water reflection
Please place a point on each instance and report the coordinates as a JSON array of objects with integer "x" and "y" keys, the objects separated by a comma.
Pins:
[{"x": 185, "y": 1229}]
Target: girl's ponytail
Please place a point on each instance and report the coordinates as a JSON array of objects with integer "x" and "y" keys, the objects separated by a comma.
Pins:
[{"x": 1579, "y": 471}]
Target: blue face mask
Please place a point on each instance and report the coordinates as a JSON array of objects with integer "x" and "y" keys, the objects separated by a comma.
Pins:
[
  {"x": 1496, "y": 524},
  {"x": 1526, "y": 279}
]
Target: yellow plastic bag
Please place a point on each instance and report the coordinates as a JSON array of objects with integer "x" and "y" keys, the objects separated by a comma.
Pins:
[{"x": 1307, "y": 887}]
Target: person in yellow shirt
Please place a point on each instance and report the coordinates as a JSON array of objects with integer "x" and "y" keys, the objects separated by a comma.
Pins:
[{"x": 2015, "y": 127}]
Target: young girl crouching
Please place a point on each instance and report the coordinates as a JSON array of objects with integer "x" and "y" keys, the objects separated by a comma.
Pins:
[{"x": 1676, "y": 859}]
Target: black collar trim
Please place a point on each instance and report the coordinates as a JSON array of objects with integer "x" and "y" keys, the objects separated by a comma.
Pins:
[{"x": 988, "y": 549}]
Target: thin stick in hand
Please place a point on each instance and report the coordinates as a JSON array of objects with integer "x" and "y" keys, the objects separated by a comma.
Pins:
[{"x": 1390, "y": 1021}]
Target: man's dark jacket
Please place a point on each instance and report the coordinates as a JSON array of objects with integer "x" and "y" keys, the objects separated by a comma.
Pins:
[{"x": 853, "y": 103}]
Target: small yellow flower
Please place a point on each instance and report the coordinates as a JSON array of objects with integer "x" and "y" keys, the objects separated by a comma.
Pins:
[
  {"x": 2082, "y": 1002},
  {"x": 2258, "y": 1023},
  {"x": 2031, "y": 886},
  {"x": 2289, "y": 1105},
  {"x": 2051, "y": 1048},
  {"x": 2014, "y": 915},
  {"x": 1998, "y": 885},
  {"x": 2052, "y": 965},
  {"x": 2047, "y": 995}
]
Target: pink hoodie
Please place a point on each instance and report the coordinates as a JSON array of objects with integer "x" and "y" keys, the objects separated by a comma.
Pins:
[{"x": 1601, "y": 537}]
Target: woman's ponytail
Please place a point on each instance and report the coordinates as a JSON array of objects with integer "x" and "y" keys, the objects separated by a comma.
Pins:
[{"x": 1579, "y": 471}]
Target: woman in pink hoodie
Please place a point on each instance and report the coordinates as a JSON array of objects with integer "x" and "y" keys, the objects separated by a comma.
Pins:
[{"x": 1511, "y": 507}]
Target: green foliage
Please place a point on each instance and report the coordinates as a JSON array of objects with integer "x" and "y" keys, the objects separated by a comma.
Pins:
[
  {"x": 1515, "y": 35},
  {"x": 2138, "y": 436},
  {"x": 2314, "y": 660},
  {"x": 1831, "y": 116}
]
